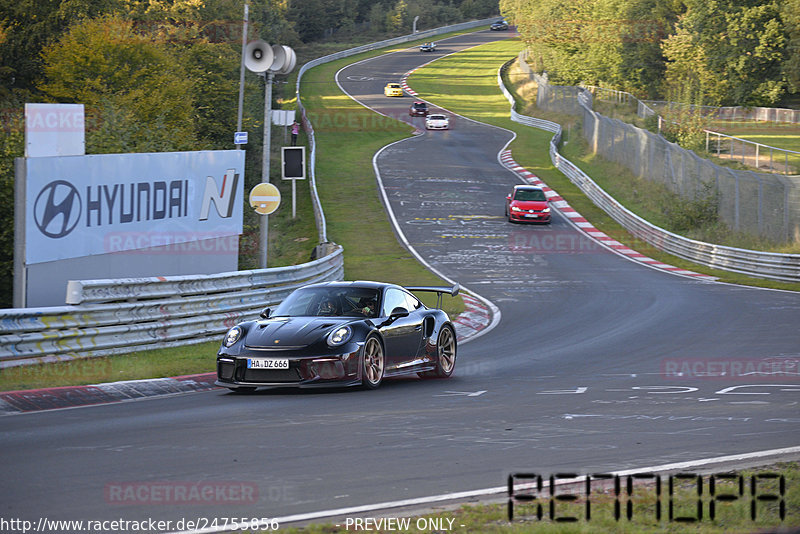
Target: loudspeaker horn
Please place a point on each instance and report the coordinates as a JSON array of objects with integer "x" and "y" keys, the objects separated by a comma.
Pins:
[
  {"x": 258, "y": 56},
  {"x": 278, "y": 58},
  {"x": 291, "y": 61}
]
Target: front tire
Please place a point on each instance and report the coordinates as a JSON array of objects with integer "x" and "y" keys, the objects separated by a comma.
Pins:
[
  {"x": 373, "y": 363},
  {"x": 445, "y": 354}
]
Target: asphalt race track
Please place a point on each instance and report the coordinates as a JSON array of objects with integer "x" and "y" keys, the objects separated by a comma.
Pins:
[{"x": 577, "y": 376}]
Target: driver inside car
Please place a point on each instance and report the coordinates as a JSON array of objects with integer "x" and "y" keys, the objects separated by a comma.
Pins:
[
  {"x": 368, "y": 306},
  {"x": 327, "y": 307}
]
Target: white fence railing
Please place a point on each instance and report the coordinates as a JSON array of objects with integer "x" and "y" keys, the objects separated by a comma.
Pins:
[
  {"x": 783, "y": 267},
  {"x": 735, "y": 113},
  {"x": 115, "y": 316},
  {"x": 751, "y": 153}
]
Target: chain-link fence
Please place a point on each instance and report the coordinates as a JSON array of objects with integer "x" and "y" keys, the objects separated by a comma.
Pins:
[
  {"x": 749, "y": 153},
  {"x": 733, "y": 113},
  {"x": 749, "y": 201}
]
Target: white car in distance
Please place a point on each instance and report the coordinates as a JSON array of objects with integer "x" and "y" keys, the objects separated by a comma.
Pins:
[{"x": 437, "y": 121}]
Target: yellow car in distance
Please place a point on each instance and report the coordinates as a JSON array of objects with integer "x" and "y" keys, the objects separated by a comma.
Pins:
[{"x": 393, "y": 89}]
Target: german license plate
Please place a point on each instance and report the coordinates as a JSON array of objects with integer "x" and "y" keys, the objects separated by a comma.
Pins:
[
  {"x": 532, "y": 215},
  {"x": 267, "y": 363}
]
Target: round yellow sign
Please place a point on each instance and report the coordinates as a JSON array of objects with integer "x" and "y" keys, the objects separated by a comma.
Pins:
[{"x": 265, "y": 198}]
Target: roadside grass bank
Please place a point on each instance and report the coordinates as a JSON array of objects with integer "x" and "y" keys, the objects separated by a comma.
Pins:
[
  {"x": 466, "y": 84},
  {"x": 682, "y": 501},
  {"x": 347, "y": 135}
]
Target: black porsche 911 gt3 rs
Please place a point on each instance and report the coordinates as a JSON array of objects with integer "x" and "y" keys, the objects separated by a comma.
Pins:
[{"x": 340, "y": 334}]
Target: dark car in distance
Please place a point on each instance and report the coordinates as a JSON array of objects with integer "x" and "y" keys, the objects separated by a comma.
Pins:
[
  {"x": 340, "y": 334},
  {"x": 527, "y": 203},
  {"x": 500, "y": 25},
  {"x": 418, "y": 109},
  {"x": 428, "y": 47}
]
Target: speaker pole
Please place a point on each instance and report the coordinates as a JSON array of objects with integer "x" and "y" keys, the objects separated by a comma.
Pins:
[
  {"x": 241, "y": 69},
  {"x": 264, "y": 222}
]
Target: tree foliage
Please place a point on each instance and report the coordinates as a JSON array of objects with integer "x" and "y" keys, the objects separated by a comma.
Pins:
[
  {"x": 104, "y": 60},
  {"x": 316, "y": 19},
  {"x": 740, "y": 48},
  {"x": 733, "y": 52}
]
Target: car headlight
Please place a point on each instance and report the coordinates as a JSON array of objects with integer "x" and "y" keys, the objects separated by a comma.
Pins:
[
  {"x": 339, "y": 336},
  {"x": 546, "y": 210},
  {"x": 514, "y": 208},
  {"x": 232, "y": 336}
]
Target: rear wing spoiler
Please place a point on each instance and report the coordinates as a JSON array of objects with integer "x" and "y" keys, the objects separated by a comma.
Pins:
[{"x": 439, "y": 290}]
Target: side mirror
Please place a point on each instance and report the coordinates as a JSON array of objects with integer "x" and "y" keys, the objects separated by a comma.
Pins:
[
  {"x": 508, "y": 197},
  {"x": 398, "y": 312},
  {"x": 265, "y": 313}
]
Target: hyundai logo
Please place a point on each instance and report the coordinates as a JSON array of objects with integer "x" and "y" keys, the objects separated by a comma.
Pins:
[{"x": 57, "y": 209}]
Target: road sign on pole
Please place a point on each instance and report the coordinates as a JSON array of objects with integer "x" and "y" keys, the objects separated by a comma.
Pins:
[
  {"x": 293, "y": 165},
  {"x": 265, "y": 198},
  {"x": 293, "y": 162},
  {"x": 240, "y": 138}
]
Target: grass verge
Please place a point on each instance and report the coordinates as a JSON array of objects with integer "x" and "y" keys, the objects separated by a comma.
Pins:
[
  {"x": 467, "y": 84},
  {"x": 681, "y": 509}
]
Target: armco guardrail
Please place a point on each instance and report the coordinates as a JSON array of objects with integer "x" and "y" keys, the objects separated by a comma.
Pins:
[
  {"x": 170, "y": 311},
  {"x": 774, "y": 266},
  {"x": 146, "y": 313},
  {"x": 309, "y": 127}
]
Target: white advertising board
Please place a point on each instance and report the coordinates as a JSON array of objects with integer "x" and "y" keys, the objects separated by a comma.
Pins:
[
  {"x": 54, "y": 130},
  {"x": 283, "y": 117},
  {"x": 80, "y": 206}
]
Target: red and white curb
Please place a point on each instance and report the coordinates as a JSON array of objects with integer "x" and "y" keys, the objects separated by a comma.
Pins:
[
  {"x": 588, "y": 228},
  {"x": 36, "y": 400},
  {"x": 405, "y": 86},
  {"x": 473, "y": 319}
]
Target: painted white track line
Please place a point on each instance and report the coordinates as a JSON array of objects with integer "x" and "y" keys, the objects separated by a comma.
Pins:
[{"x": 773, "y": 454}]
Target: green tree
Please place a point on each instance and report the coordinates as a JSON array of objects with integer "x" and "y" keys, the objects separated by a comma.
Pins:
[
  {"x": 397, "y": 18},
  {"x": 104, "y": 60},
  {"x": 29, "y": 26},
  {"x": 790, "y": 14},
  {"x": 309, "y": 18},
  {"x": 603, "y": 42},
  {"x": 11, "y": 147},
  {"x": 214, "y": 70},
  {"x": 740, "y": 49}
]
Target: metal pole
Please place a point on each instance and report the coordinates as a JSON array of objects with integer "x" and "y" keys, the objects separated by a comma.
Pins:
[
  {"x": 294, "y": 198},
  {"x": 263, "y": 226},
  {"x": 241, "y": 70}
]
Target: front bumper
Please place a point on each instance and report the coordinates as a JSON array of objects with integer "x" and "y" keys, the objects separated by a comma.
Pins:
[
  {"x": 523, "y": 216},
  {"x": 305, "y": 371}
]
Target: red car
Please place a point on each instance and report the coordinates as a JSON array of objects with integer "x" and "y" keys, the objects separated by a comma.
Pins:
[
  {"x": 527, "y": 203},
  {"x": 418, "y": 109}
]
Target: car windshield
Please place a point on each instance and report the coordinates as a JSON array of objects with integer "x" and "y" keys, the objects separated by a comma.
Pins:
[
  {"x": 419, "y": 105},
  {"x": 328, "y": 301},
  {"x": 394, "y": 85},
  {"x": 529, "y": 195},
  {"x": 437, "y": 117}
]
